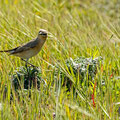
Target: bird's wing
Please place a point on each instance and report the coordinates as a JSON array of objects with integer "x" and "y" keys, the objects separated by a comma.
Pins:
[{"x": 24, "y": 47}]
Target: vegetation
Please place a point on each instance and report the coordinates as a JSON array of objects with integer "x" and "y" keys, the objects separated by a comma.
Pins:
[{"x": 85, "y": 29}]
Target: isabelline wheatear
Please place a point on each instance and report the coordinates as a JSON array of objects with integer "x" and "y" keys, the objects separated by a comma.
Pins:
[{"x": 31, "y": 48}]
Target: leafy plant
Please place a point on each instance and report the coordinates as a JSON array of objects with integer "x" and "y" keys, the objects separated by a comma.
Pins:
[
  {"x": 26, "y": 78},
  {"x": 84, "y": 67}
]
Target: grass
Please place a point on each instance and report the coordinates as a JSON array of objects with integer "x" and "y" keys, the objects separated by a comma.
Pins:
[{"x": 76, "y": 29}]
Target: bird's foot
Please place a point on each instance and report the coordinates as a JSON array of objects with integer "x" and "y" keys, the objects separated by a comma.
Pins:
[{"x": 26, "y": 65}]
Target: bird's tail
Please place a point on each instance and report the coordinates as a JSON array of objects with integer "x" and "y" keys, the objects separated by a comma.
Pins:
[
  {"x": 9, "y": 51},
  {"x": 5, "y": 50}
]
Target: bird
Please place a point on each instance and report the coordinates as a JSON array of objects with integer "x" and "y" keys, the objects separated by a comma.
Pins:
[{"x": 30, "y": 49}]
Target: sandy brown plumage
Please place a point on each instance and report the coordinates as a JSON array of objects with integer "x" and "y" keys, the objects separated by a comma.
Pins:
[{"x": 31, "y": 48}]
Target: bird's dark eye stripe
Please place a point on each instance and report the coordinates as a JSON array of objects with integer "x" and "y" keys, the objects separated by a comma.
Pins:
[{"x": 43, "y": 33}]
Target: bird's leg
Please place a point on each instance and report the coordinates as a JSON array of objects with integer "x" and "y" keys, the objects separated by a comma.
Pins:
[{"x": 28, "y": 63}]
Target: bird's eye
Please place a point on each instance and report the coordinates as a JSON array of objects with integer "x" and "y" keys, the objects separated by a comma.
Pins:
[{"x": 42, "y": 33}]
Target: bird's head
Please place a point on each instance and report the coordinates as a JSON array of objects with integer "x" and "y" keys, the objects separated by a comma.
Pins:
[{"x": 42, "y": 34}]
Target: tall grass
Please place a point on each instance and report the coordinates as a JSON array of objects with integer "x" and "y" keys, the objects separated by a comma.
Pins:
[{"x": 76, "y": 28}]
